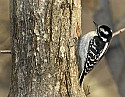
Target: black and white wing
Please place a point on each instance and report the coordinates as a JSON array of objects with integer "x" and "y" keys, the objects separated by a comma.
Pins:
[
  {"x": 96, "y": 51},
  {"x": 82, "y": 49}
]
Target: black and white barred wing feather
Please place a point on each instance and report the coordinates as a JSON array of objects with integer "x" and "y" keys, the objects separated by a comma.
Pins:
[{"x": 90, "y": 55}]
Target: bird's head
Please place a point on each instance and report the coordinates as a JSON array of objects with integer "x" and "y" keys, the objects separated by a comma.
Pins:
[{"x": 104, "y": 32}]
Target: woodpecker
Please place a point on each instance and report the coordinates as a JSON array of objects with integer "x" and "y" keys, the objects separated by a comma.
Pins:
[{"x": 92, "y": 47}]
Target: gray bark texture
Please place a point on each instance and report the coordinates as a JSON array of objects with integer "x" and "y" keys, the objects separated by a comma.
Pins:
[{"x": 43, "y": 51}]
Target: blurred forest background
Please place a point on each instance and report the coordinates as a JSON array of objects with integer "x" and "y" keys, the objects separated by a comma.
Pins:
[{"x": 108, "y": 78}]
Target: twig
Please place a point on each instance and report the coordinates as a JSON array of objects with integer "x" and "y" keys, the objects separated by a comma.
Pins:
[
  {"x": 5, "y": 51},
  {"x": 87, "y": 90},
  {"x": 118, "y": 32}
]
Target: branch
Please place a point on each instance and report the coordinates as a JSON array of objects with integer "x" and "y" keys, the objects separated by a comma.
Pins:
[
  {"x": 5, "y": 51},
  {"x": 118, "y": 32}
]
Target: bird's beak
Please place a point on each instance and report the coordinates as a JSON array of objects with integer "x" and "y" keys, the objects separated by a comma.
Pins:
[{"x": 95, "y": 24}]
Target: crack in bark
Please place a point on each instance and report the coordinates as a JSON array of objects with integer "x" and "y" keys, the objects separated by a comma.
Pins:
[
  {"x": 67, "y": 87},
  {"x": 51, "y": 20}
]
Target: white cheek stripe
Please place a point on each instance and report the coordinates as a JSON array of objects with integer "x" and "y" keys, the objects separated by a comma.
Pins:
[
  {"x": 104, "y": 39},
  {"x": 105, "y": 32}
]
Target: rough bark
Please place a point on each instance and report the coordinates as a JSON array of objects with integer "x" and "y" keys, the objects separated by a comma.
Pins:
[{"x": 43, "y": 51}]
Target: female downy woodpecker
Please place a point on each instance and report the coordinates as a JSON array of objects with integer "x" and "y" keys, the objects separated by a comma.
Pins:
[{"x": 92, "y": 47}]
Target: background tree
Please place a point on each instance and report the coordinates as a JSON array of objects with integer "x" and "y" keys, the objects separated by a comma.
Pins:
[
  {"x": 115, "y": 55},
  {"x": 109, "y": 73}
]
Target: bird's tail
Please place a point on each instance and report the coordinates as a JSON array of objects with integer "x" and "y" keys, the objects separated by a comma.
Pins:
[{"x": 81, "y": 78}]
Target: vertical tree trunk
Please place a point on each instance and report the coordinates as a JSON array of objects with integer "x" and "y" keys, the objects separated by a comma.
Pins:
[{"x": 43, "y": 51}]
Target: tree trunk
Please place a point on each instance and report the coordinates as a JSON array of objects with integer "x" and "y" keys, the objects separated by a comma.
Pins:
[{"x": 43, "y": 51}]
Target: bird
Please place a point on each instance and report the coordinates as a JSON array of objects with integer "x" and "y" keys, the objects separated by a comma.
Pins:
[{"x": 91, "y": 48}]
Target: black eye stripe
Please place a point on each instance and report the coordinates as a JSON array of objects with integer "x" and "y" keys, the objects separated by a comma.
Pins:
[{"x": 103, "y": 35}]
